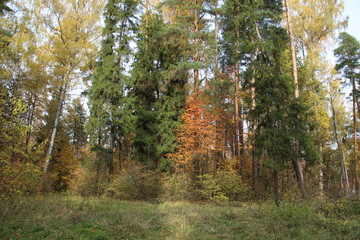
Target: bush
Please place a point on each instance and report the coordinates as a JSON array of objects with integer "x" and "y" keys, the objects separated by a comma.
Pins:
[
  {"x": 343, "y": 208},
  {"x": 179, "y": 187},
  {"x": 89, "y": 179},
  {"x": 87, "y": 183},
  {"x": 224, "y": 186},
  {"x": 20, "y": 171},
  {"x": 135, "y": 183}
]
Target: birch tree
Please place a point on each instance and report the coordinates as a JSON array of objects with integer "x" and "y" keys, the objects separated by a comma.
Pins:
[{"x": 70, "y": 31}]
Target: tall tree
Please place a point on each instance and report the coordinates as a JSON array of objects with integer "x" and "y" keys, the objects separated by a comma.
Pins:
[
  {"x": 233, "y": 26},
  {"x": 107, "y": 124},
  {"x": 197, "y": 136},
  {"x": 338, "y": 122},
  {"x": 158, "y": 90},
  {"x": 348, "y": 62},
  {"x": 281, "y": 118},
  {"x": 191, "y": 16},
  {"x": 73, "y": 29},
  {"x": 76, "y": 120}
]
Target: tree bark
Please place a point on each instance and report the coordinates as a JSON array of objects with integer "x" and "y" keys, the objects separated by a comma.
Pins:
[
  {"x": 321, "y": 176},
  {"x": 292, "y": 50},
  {"x": 236, "y": 115},
  {"x": 30, "y": 118},
  {"x": 255, "y": 165},
  {"x": 48, "y": 157},
  {"x": 239, "y": 138},
  {"x": 343, "y": 170},
  {"x": 196, "y": 42},
  {"x": 297, "y": 167},
  {"x": 299, "y": 178},
  {"x": 216, "y": 46},
  {"x": 355, "y": 137}
]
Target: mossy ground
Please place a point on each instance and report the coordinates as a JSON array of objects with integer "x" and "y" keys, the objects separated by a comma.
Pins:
[{"x": 64, "y": 217}]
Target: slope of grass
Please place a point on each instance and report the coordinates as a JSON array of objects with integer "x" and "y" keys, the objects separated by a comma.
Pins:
[{"x": 60, "y": 217}]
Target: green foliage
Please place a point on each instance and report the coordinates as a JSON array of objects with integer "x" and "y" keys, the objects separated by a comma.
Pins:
[
  {"x": 282, "y": 119},
  {"x": 76, "y": 120},
  {"x": 348, "y": 61},
  {"x": 179, "y": 187},
  {"x": 222, "y": 187},
  {"x": 19, "y": 162},
  {"x": 86, "y": 182},
  {"x": 91, "y": 177},
  {"x": 343, "y": 208},
  {"x": 157, "y": 91},
  {"x": 348, "y": 54},
  {"x": 3, "y": 7},
  {"x": 109, "y": 120},
  {"x": 135, "y": 183}
]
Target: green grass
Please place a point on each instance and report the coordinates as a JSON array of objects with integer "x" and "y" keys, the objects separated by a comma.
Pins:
[{"x": 61, "y": 217}]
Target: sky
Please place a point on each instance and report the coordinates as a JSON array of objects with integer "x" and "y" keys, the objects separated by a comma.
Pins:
[{"x": 352, "y": 10}]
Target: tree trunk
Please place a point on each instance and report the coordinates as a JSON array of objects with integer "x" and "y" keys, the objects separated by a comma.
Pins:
[
  {"x": 30, "y": 118},
  {"x": 253, "y": 105},
  {"x": 239, "y": 136},
  {"x": 343, "y": 170},
  {"x": 216, "y": 47},
  {"x": 236, "y": 115},
  {"x": 299, "y": 178},
  {"x": 356, "y": 177},
  {"x": 196, "y": 42},
  {"x": 297, "y": 167},
  {"x": 321, "y": 176},
  {"x": 255, "y": 163},
  {"x": 112, "y": 148},
  {"x": 292, "y": 50},
  {"x": 48, "y": 157}
]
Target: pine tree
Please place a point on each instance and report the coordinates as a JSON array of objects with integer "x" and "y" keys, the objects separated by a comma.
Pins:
[{"x": 348, "y": 54}]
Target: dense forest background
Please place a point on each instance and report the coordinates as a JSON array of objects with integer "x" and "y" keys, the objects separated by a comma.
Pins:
[{"x": 180, "y": 100}]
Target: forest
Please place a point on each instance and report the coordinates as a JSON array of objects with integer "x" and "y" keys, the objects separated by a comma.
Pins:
[{"x": 215, "y": 109}]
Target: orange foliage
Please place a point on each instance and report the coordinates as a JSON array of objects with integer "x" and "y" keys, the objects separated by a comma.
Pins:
[{"x": 199, "y": 135}]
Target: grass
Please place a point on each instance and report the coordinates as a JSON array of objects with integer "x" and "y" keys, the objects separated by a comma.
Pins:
[{"x": 61, "y": 217}]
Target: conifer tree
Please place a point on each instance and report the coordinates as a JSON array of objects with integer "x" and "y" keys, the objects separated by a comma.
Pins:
[
  {"x": 348, "y": 54},
  {"x": 232, "y": 29},
  {"x": 158, "y": 91},
  {"x": 76, "y": 123},
  {"x": 107, "y": 125}
]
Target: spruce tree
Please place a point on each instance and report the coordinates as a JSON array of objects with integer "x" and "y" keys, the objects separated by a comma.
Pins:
[
  {"x": 107, "y": 124},
  {"x": 158, "y": 91}
]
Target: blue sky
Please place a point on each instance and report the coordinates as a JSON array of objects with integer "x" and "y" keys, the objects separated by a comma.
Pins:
[{"x": 352, "y": 10}]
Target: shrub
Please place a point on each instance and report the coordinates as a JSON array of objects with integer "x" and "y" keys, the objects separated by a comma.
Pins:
[
  {"x": 89, "y": 179},
  {"x": 179, "y": 187},
  {"x": 135, "y": 183},
  {"x": 87, "y": 183},
  {"x": 343, "y": 208},
  {"x": 20, "y": 171},
  {"x": 224, "y": 186}
]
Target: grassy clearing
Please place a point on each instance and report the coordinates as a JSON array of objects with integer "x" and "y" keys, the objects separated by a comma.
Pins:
[{"x": 60, "y": 217}]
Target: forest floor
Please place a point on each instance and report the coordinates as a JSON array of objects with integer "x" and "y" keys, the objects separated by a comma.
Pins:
[{"x": 64, "y": 217}]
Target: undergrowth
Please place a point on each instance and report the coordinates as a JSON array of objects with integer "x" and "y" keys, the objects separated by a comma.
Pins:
[{"x": 65, "y": 217}]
